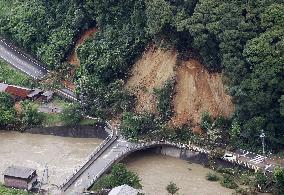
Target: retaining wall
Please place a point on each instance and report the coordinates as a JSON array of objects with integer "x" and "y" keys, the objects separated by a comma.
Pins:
[{"x": 82, "y": 131}]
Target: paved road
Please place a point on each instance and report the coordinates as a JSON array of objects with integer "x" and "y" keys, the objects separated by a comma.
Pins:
[
  {"x": 20, "y": 61},
  {"x": 29, "y": 66},
  {"x": 98, "y": 167}
]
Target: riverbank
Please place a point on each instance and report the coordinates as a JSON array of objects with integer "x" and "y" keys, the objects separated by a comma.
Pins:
[
  {"x": 157, "y": 171},
  {"x": 61, "y": 154}
]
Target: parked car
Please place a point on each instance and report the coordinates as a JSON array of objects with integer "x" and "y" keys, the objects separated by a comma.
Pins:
[{"x": 229, "y": 157}]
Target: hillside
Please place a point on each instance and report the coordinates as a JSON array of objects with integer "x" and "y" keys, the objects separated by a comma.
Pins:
[{"x": 196, "y": 89}]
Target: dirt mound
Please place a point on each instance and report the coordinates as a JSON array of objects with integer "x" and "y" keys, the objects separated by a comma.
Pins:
[
  {"x": 151, "y": 71},
  {"x": 196, "y": 89}
]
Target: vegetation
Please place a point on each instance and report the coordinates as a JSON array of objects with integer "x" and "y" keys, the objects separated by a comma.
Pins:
[
  {"x": 119, "y": 175},
  {"x": 29, "y": 115},
  {"x": 9, "y": 191},
  {"x": 13, "y": 77},
  {"x": 172, "y": 188},
  {"x": 72, "y": 115},
  {"x": 212, "y": 177},
  {"x": 165, "y": 97},
  {"x": 7, "y": 111}
]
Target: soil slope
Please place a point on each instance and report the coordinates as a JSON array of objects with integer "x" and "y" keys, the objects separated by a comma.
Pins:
[
  {"x": 151, "y": 71},
  {"x": 196, "y": 89},
  {"x": 199, "y": 91},
  {"x": 73, "y": 59}
]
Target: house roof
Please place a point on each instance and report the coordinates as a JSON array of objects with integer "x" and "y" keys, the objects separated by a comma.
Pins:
[
  {"x": 18, "y": 91},
  {"x": 18, "y": 171},
  {"x": 123, "y": 190},
  {"x": 47, "y": 93},
  {"x": 3, "y": 87},
  {"x": 35, "y": 92}
]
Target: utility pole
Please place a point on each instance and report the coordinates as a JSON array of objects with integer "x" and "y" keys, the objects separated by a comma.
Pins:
[{"x": 262, "y": 136}]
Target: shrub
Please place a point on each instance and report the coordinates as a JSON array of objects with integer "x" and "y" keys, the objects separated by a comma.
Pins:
[
  {"x": 228, "y": 182},
  {"x": 212, "y": 177}
]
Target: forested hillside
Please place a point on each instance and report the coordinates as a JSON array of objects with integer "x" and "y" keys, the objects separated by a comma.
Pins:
[{"x": 244, "y": 39}]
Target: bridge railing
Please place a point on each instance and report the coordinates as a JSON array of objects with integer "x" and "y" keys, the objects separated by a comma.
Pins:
[{"x": 91, "y": 156}]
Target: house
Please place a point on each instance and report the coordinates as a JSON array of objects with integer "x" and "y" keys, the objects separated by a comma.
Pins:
[
  {"x": 18, "y": 93},
  {"x": 20, "y": 177},
  {"x": 47, "y": 96},
  {"x": 123, "y": 190},
  {"x": 35, "y": 94}
]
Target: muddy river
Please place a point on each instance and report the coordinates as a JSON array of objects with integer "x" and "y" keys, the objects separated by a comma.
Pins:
[
  {"x": 156, "y": 172},
  {"x": 61, "y": 154}
]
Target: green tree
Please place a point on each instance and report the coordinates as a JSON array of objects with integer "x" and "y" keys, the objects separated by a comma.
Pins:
[
  {"x": 29, "y": 115},
  {"x": 72, "y": 114},
  {"x": 279, "y": 177},
  {"x": 7, "y": 112},
  {"x": 119, "y": 175}
]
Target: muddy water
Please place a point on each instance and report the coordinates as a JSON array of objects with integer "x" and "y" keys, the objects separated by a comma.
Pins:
[
  {"x": 156, "y": 172},
  {"x": 61, "y": 154}
]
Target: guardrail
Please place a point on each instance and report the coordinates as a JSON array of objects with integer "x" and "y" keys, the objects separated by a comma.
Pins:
[
  {"x": 91, "y": 158},
  {"x": 131, "y": 150}
]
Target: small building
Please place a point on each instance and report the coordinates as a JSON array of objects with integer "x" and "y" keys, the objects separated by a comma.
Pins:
[
  {"x": 36, "y": 93},
  {"x": 20, "y": 177},
  {"x": 47, "y": 96},
  {"x": 123, "y": 190}
]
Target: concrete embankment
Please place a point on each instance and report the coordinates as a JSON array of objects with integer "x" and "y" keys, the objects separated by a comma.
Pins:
[{"x": 84, "y": 131}]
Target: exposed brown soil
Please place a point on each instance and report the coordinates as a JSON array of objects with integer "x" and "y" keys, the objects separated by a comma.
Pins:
[
  {"x": 196, "y": 89},
  {"x": 73, "y": 59},
  {"x": 151, "y": 71}
]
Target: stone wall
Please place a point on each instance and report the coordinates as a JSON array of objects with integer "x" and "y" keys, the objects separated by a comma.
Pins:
[{"x": 83, "y": 131}]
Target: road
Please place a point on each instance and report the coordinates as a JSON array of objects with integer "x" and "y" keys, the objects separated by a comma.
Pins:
[
  {"x": 29, "y": 66},
  {"x": 20, "y": 61},
  {"x": 98, "y": 167}
]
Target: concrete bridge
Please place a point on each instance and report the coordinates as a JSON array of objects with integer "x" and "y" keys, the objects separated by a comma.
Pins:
[{"x": 112, "y": 151}]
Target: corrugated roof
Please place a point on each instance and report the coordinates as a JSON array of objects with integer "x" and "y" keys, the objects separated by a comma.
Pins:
[
  {"x": 18, "y": 171},
  {"x": 18, "y": 91},
  {"x": 48, "y": 93},
  {"x": 123, "y": 190},
  {"x": 35, "y": 92}
]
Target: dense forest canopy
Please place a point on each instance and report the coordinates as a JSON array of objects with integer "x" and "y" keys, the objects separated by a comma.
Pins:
[{"x": 244, "y": 39}]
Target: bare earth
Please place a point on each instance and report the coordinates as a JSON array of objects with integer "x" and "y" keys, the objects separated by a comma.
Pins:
[
  {"x": 151, "y": 71},
  {"x": 196, "y": 90},
  {"x": 73, "y": 59}
]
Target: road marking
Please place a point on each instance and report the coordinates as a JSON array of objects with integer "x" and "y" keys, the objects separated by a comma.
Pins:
[{"x": 257, "y": 159}]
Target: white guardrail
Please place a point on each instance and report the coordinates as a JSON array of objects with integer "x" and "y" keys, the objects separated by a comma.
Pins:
[{"x": 108, "y": 138}]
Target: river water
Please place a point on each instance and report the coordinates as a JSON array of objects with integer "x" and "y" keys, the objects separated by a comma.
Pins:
[
  {"x": 61, "y": 154},
  {"x": 156, "y": 172}
]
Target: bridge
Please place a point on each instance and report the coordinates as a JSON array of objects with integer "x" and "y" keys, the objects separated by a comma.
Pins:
[
  {"x": 111, "y": 151},
  {"x": 114, "y": 148}
]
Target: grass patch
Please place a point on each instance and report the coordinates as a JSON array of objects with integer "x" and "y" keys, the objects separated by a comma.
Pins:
[
  {"x": 88, "y": 122},
  {"x": 9, "y": 191},
  {"x": 12, "y": 76},
  {"x": 52, "y": 120}
]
